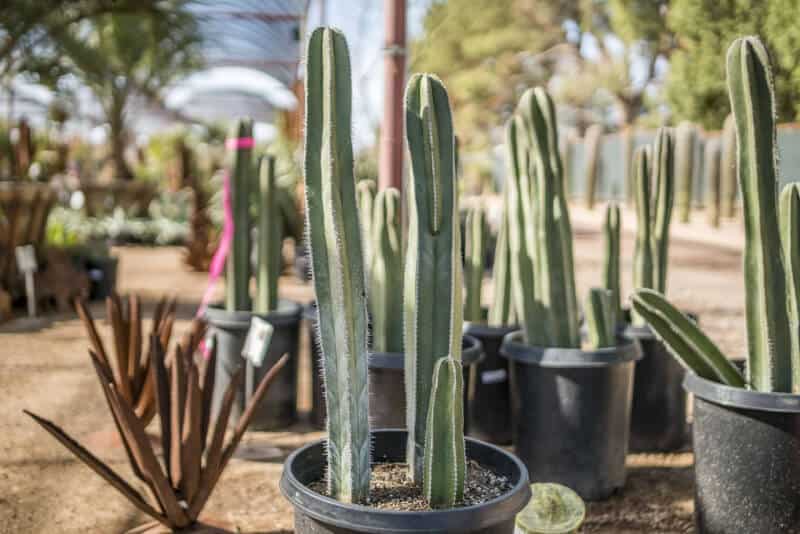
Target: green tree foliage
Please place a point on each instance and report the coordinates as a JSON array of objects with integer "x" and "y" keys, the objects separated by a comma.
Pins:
[{"x": 696, "y": 86}]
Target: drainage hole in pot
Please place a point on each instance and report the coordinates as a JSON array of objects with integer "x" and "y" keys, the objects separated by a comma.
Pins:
[{"x": 392, "y": 489}]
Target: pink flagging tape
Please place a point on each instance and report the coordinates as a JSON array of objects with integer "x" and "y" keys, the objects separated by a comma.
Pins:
[{"x": 240, "y": 142}]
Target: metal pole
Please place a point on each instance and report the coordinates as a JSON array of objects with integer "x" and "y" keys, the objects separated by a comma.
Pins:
[{"x": 394, "y": 64}]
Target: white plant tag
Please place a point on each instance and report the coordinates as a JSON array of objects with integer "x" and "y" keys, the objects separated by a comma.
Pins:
[
  {"x": 257, "y": 341},
  {"x": 26, "y": 258},
  {"x": 494, "y": 377}
]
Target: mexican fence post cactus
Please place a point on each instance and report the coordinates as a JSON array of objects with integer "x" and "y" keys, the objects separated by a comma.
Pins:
[
  {"x": 728, "y": 180},
  {"x": 238, "y": 263},
  {"x": 685, "y": 143},
  {"x": 432, "y": 281},
  {"x": 365, "y": 197},
  {"x": 386, "y": 273},
  {"x": 270, "y": 238},
  {"x": 662, "y": 171},
  {"x": 592, "y": 144},
  {"x": 712, "y": 176},
  {"x": 643, "y": 251},
  {"x": 501, "y": 310},
  {"x": 601, "y": 319},
  {"x": 475, "y": 236},
  {"x": 335, "y": 239},
  {"x": 790, "y": 227},
  {"x": 445, "y": 458},
  {"x": 752, "y": 102},
  {"x": 611, "y": 251}
]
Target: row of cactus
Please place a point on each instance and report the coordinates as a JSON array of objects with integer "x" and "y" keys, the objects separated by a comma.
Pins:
[
  {"x": 772, "y": 247},
  {"x": 270, "y": 225}
]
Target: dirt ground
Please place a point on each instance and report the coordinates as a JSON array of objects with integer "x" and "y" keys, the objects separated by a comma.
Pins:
[{"x": 46, "y": 369}]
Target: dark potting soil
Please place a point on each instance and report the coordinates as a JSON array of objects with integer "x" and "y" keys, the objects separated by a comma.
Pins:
[{"x": 392, "y": 489}]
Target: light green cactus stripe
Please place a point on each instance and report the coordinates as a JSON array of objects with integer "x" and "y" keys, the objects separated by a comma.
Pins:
[
  {"x": 611, "y": 250},
  {"x": 501, "y": 310},
  {"x": 237, "y": 284},
  {"x": 475, "y": 237},
  {"x": 445, "y": 459},
  {"x": 433, "y": 298},
  {"x": 685, "y": 143},
  {"x": 684, "y": 340},
  {"x": 790, "y": 237},
  {"x": 601, "y": 319},
  {"x": 386, "y": 273},
  {"x": 270, "y": 238},
  {"x": 663, "y": 183},
  {"x": 752, "y": 101},
  {"x": 339, "y": 282}
]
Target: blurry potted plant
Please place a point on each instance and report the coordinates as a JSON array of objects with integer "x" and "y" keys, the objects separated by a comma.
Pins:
[
  {"x": 328, "y": 482},
  {"x": 746, "y": 430},
  {"x": 571, "y": 406}
]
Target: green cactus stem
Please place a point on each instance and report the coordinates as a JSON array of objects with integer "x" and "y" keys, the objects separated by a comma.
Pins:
[
  {"x": 335, "y": 239},
  {"x": 591, "y": 170},
  {"x": 445, "y": 459},
  {"x": 386, "y": 273},
  {"x": 711, "y": 168},
  {"x": 611, "y": 253},
  {"x": 685, "y": 144},
  {"x": 728, "y": 181},
  {"x": 643, "y": 250},
  {"x": 237, "y": 283},
  {"x": 270, "y": 238},
  {"x": 475, "y": 238},
  {"x": 752, "y": 101},
  {"x": 365, "y": 196},
  {"x": 433, "y": 279},
  {"x": 501, "y": 310},
  {"x": 790, "y": 229},
  {"x": 663, "y": 182},
  {"x": 601, "y": 319}
]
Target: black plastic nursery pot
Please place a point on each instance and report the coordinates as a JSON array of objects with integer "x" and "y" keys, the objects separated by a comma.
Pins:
[
  {"x": 658, "y": 409},
  {"x": 279, "y": 408},
  {"x": 317, "y": 514},
  {"x": 387, "y": 403},
  {"x": 102, "y": 277},
  {"x": 746, "y": 459},
  {"x": 571, "y": 413},
  {"x": 489, "y": 397}
]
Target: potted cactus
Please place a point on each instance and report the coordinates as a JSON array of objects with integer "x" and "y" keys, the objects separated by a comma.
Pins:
[
  {"x": 489, "y": 412},
  {"x": 231, "y": 322},
  {"x": 570, "y": 406},
  {"x": 746, "y": 429},
  {"x": 329, "y": 481}
]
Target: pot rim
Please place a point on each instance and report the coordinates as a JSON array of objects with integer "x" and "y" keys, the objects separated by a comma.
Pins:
[
  {"x": 746, "y": 399},
  {"x": 472, "y": 353},
  {"x": 488, "y": 331},
  {"x": 513, "y": 348},
  {"x": 288, "y": 312},
  {"x": 300, "y": 496}
]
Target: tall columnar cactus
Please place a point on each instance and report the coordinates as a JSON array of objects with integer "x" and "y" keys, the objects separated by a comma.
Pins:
[
  {"x": 712, "y": 176},
  {"x": 790, "y": 238},
  {"x": 611, "y": 251},
  {"x": 339, "y": 281},
  {"x": 501, "y": 310},
  {"x": 752, "y": 101},
  {"x": 365, "y": 197},
  {"x": 432, "y": 283},
  {"x": 386, "y": 273},
  {"x": 628, "y": 139},
  {"x": 241, "y": 176},
  {"x": 475, "y": 237},
  {"x": 685, "y": 144},
  {"x": 601, "y": 319},
  {"x": 643, "y": 250},
  {"x": 556, "y": 276},
  {"x": 728, "y": 180},
  {"x": 663, "y": 183},
  {"x": 445, "y": 458},
  {"x": 591, "y": 169},
  {"x": 270, "y": 238}
]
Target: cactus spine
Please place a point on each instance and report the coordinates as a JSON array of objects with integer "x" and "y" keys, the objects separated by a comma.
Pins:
[
  {"x": 752, "y": 101},
  {"x": 334, "y": 233},
  {"x": 270, "y": 237},
  {"x": 601, "y": 319},
  {"x": 591, "y": 149},
  {"x": 685, "y": 142},
  {"x": 712, "y": 176},
  {"x": 611, "y": 276},
  {"x": 237, "y": 284},
  {"x": 501, "y": 311},
  {"x": 432, "y": 284},
  {"x": 729, "y": 184},
  {"x": 445, "y": 459},
  {"x": 386, "y": 273},
  {"x": 475, "y": 237}
]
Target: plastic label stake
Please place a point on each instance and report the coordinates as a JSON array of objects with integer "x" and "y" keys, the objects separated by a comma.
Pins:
[{"x": 26, "y": 262}]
